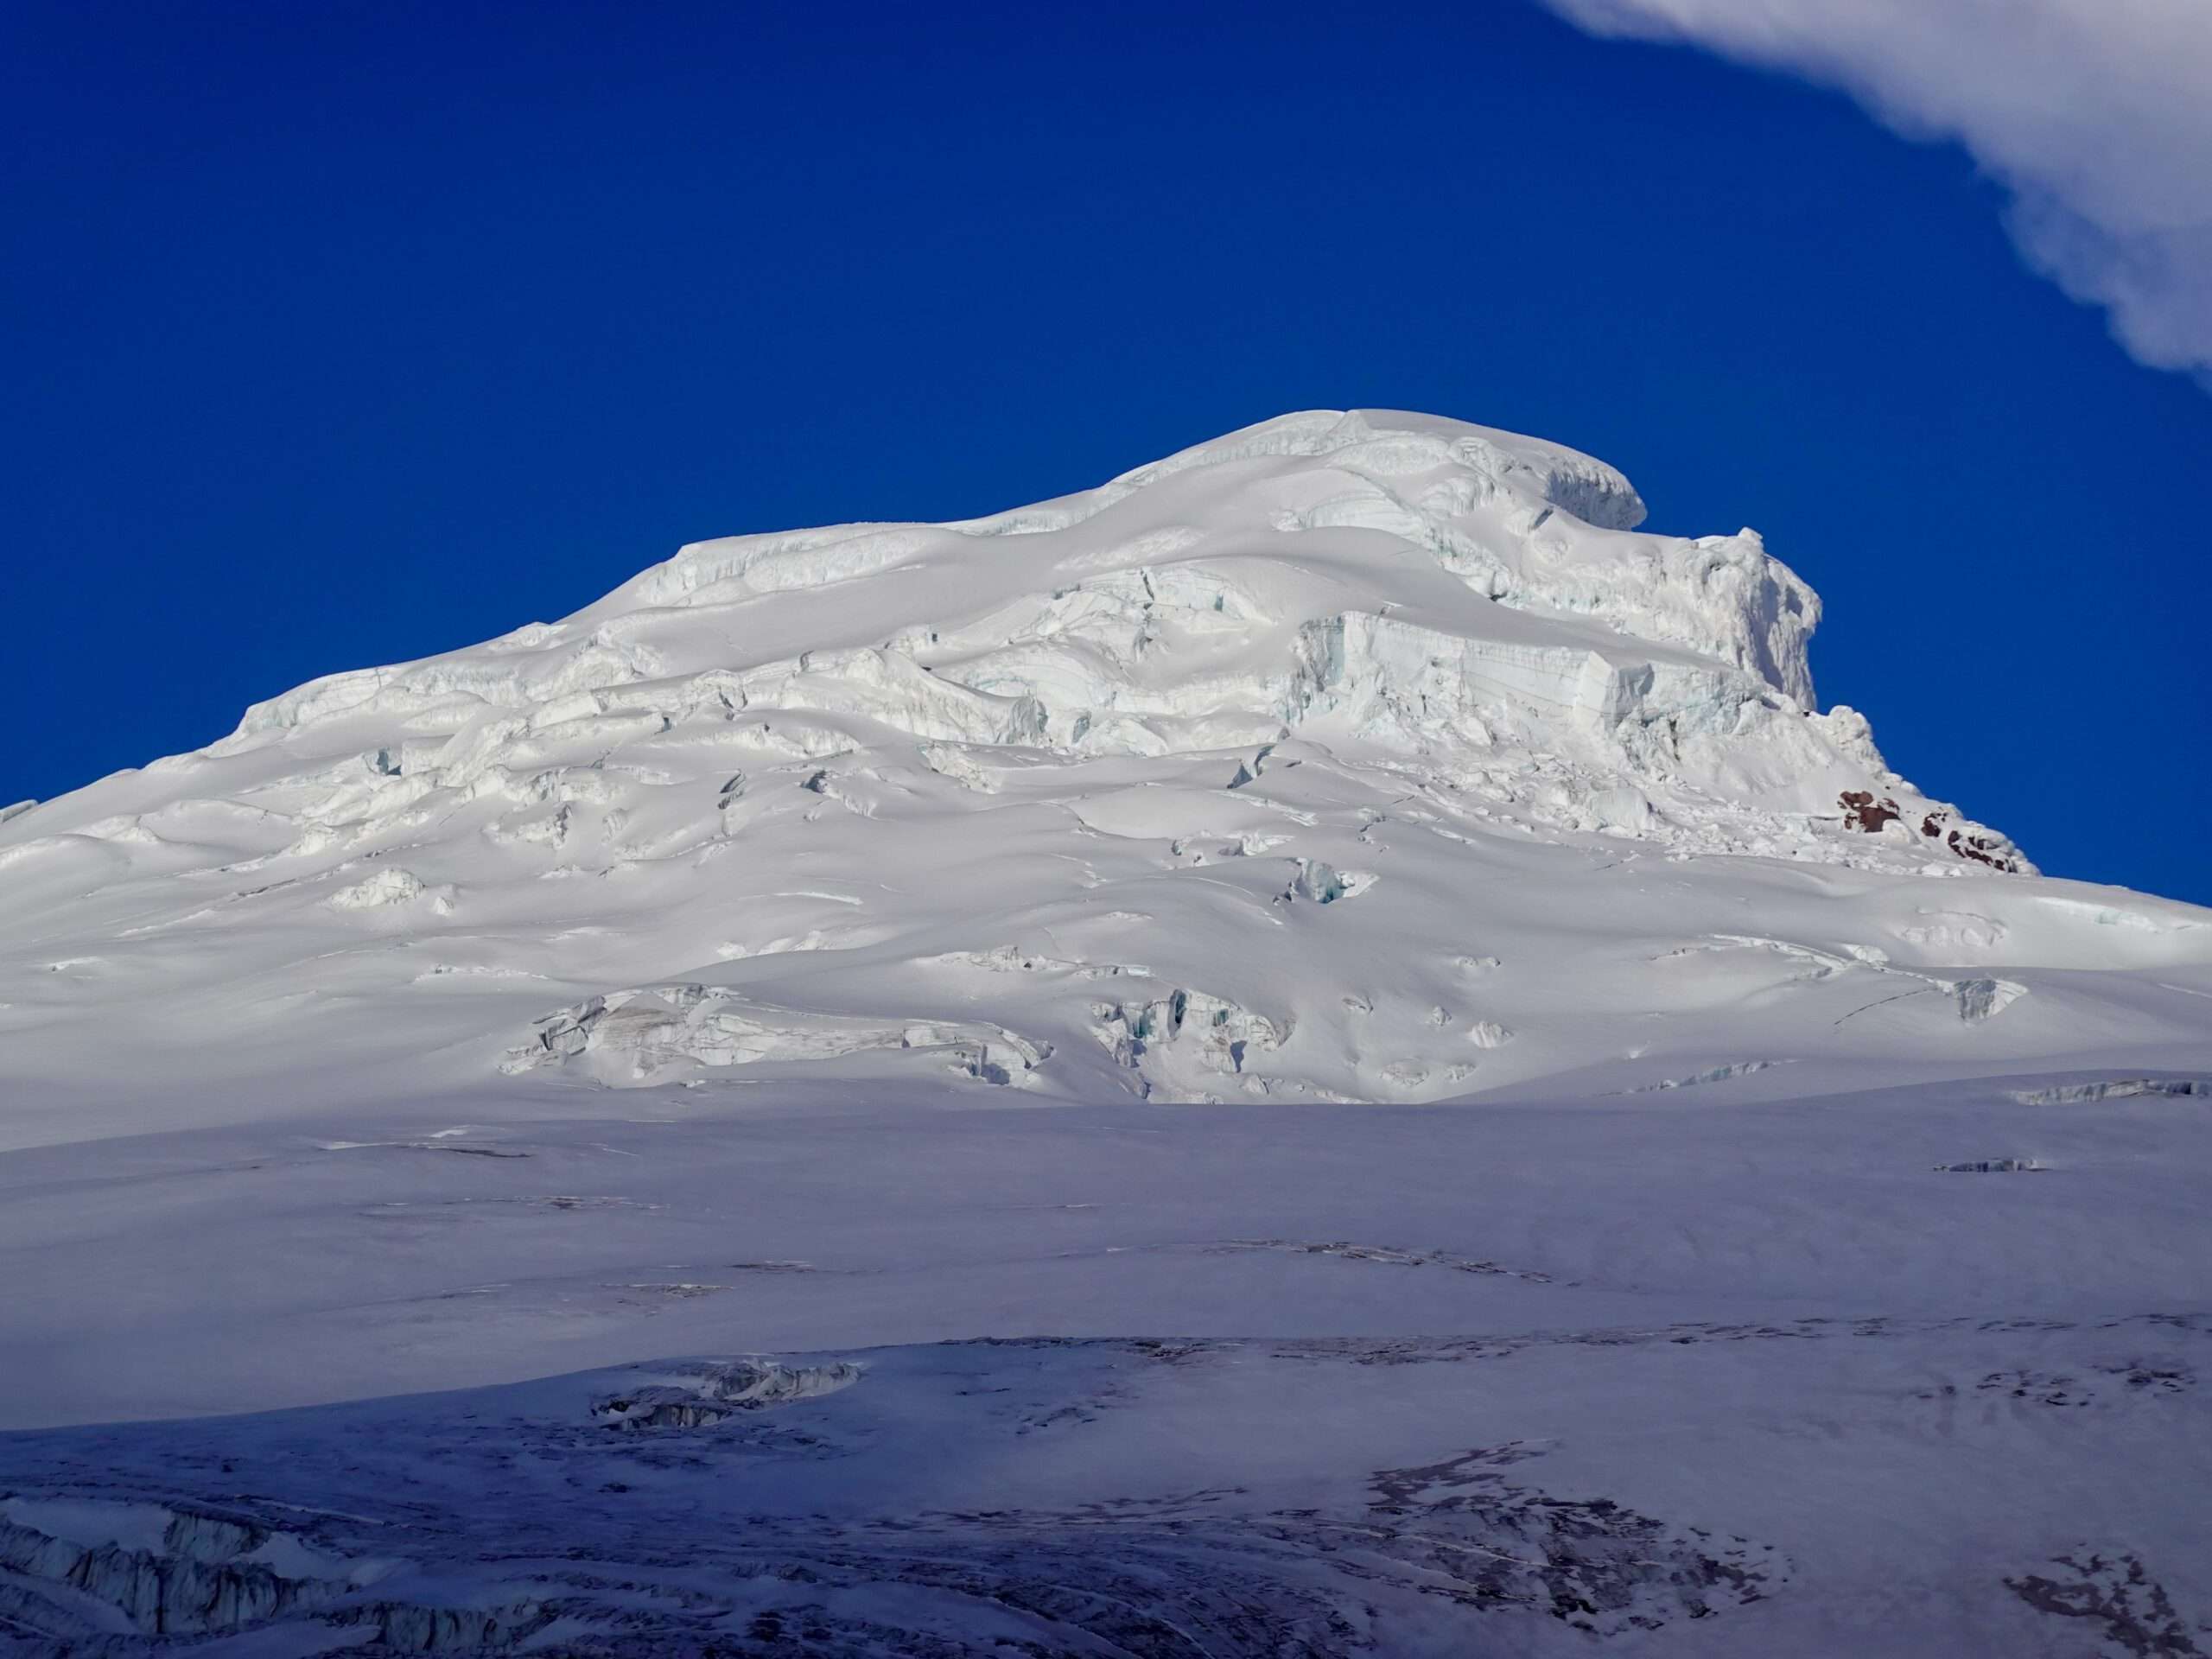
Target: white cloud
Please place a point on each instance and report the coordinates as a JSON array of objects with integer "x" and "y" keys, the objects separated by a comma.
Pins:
[{"x": 2095, "y": 114}]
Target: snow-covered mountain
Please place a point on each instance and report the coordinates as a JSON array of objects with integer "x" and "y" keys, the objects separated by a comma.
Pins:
[
  {"x": 1350, "y": 757},
  {"x": 800, "y": 961}
]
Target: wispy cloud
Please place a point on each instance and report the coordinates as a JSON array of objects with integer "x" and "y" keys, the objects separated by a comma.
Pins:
[{"x": 2095, "y": 114}]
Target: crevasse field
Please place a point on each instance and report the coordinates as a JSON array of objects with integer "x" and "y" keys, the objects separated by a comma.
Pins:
[{"x": 1314, "y": 1052}]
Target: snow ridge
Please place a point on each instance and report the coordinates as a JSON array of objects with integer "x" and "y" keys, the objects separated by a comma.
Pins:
[{"x": 1267, "y": 731}]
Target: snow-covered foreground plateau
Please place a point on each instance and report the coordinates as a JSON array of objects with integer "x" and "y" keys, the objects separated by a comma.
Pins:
[{"x": 1316, "y": 1051}]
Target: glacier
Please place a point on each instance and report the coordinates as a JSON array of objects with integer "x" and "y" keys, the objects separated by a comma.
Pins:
[{"x": 1061, "y": 1051}]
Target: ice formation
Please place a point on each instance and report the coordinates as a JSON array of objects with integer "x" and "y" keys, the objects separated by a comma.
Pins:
[
  {"x": 823, "y": 798},
  {"x": 806, "y": 955}
]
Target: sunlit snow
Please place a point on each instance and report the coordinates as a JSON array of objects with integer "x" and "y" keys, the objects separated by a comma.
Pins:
[{"x": 1317, "y": 1049}]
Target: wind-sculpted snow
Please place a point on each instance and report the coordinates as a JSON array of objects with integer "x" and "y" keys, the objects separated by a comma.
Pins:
[
  {"x": 1167, "y": 727},
  {"x": 798, "y": 964}
]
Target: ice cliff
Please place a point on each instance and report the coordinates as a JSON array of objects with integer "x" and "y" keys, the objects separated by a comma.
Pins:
[{"x": 1453, "y": 597}]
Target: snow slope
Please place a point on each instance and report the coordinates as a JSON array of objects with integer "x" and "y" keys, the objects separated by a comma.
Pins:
[
  {"x": 1075, "y": 799},
  {"x": 811, "y": 948}
]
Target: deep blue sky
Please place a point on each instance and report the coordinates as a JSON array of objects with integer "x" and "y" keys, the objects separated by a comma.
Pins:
[{"x": 341, "y": 334}]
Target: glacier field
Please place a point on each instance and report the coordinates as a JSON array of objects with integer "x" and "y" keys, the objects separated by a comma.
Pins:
[{"x": 1317, "y": 1050}]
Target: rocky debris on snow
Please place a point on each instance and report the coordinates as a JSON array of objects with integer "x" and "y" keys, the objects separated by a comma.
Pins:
[
  {"x": 2119, "y": 1605},
  {"x": 1863, "y": 811},
  {"x": 1982, "y": 846}
]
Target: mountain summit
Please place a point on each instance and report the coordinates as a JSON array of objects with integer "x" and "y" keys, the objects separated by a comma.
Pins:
[
  {"x": 684, "y": 1099},
  {"x": 1351, "y": 756}
]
